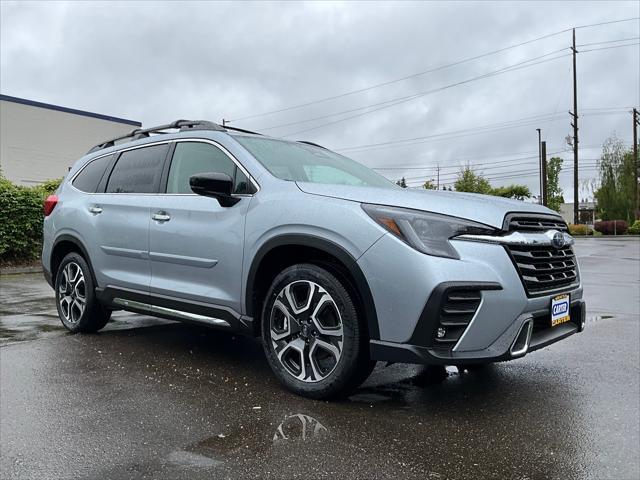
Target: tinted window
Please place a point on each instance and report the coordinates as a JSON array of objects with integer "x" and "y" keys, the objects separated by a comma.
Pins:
[
  {"x": 191, "y": 158},
  {"x": 89, "y": 177},
  {"x": 138, "y": 171},
  {"x": 306, "y": 163}
]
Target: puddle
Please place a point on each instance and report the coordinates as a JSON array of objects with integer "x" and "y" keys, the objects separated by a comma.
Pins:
[
  {"x": 190, "y": 459},
  {"x": 299, "y": 427},
  {"x": 257, "y": 438}
]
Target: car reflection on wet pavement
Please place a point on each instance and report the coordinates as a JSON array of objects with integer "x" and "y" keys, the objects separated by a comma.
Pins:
[{"x": 155, "y": 399}]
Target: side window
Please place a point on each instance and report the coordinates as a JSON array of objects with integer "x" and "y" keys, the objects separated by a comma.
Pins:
[
  {"x": 190, "y": 158},
  {"x": 138, "y": 171},
  {"x": 89, "y": 177}
]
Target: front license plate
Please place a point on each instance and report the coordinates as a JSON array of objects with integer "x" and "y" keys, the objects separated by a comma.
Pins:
[{"x": 559, "y": 310}]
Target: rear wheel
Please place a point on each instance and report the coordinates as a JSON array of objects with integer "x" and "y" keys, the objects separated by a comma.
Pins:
[
  {"x": 312, "y": 336},
  {"x": 78, "y": 307}
]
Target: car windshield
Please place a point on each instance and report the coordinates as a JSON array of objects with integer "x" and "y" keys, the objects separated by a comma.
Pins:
[{"x": 301, "y": 162}]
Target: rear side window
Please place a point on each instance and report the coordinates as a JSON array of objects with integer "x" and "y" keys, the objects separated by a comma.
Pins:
[
  {"x": 89, "y": 177},
  {"x": 191, "y": 158},
  {"x": 138, "y": 171}
]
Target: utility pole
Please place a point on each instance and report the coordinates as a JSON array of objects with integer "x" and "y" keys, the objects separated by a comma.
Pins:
[
  {"x": 543, "y": 148},
  {"x": 539, "y": 166},
  {"x": 438, "y": 181},
  {"x": 224, "y": 122},
  {"x": 636, "y": 122},
  {"x": 575, "y": 132}
]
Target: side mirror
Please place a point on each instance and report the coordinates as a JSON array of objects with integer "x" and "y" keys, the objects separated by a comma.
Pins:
[{"x": 215, "y": 185}]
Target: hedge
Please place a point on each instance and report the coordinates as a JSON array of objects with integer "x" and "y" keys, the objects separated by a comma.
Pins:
[
  {"x": 635, "y": 228},
  {"x": 611, "y": 227},
  {"x": 580, "y": 229},
  {"x": 21, "y": 219}
]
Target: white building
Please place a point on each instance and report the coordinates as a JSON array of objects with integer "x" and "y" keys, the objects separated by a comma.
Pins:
[
  {"x": 586, "y": 211},
  {"x": 39, "y": 141}
]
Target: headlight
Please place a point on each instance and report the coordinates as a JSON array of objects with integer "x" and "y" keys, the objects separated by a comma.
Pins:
[{"x": 426, "y": 232}]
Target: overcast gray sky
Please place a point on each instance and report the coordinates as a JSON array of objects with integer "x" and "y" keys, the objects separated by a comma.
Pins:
[{"x": 159, "y": 61}]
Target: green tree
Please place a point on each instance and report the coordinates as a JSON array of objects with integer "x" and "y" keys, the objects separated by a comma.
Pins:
[
  {"x": 554, "y": 192},
  {"x": 402, "y": 182},
  {"x": 470, "y": 181},
  {"x": 429, "y": 185},
  {"x": 518, "y": 192},
  {"x": 615, "y": 194}
]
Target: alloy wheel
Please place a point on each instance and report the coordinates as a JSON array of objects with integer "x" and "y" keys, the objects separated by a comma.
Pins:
[
  {"x": 306, "y": 331},
  {"x": 72, "y": 293}
]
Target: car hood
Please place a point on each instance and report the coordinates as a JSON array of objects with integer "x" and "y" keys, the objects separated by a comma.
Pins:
[{"x": 485, "y": 209}]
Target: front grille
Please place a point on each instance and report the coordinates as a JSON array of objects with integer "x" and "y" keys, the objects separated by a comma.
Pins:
[
  {"x": 544, "y": 269},
  {"x": 541, "y": 223},
  {"x": 456, "y": 311}
]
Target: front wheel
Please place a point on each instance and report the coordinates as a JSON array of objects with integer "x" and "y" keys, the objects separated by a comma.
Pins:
[
  {"x": 312, "y": 336},
  {"x": 78, "y": 307}
]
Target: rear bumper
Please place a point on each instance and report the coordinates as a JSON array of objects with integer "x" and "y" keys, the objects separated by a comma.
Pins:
[{"x": 515, "y": 342}]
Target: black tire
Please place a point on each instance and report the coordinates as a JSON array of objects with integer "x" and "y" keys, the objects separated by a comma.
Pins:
[
  {"x": 73, "y": 280},
  {"x": 353, "y": 366}
]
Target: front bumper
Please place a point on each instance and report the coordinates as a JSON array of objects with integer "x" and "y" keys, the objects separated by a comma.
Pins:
[
  {"x": 402, "y": 282},
  {"x": 506, "y": 347}
]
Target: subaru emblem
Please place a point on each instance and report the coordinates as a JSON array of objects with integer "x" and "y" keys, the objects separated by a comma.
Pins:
[{"x": 558, "y": 240}]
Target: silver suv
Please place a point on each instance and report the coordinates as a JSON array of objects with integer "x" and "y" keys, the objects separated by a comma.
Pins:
[{"x": 332, "y": 265}]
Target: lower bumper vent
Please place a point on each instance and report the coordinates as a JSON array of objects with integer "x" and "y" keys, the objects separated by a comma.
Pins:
[{"x": 456, "y": 312}]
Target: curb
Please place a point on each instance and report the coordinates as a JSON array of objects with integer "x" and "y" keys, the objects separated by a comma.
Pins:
[{"x": 20, "y": 270}]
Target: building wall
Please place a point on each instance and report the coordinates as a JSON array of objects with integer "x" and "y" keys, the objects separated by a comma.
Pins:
[{"x": 39, "y": 143}]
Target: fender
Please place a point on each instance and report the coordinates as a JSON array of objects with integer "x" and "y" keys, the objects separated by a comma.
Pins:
[
  {"x": 78, "y": 243},
  {"x": 329, "y": 247}
]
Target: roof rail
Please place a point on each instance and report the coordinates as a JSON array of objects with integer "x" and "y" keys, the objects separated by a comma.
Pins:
[
  {"x": 139, "y": 133},
  {"x": 236, "y": 129},
  {"x": 314, "y": 144}
]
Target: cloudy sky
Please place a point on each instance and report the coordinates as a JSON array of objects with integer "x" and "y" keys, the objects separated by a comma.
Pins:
[{"x": 365, "y": 75}]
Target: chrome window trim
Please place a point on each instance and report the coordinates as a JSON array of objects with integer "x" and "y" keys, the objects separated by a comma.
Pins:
[{"x": 176, "y": 140}]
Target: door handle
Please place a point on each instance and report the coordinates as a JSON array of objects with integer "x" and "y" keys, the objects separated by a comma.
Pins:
[
  {"x": 95, "y": 209},
  {"x": 161, "y": 216}
]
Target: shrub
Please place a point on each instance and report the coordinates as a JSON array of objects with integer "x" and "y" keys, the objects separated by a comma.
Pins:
[
  {"x": 635, "y": 228},
  {"x": 611, "y": 227},
  {"x": 580, "y": 229},
  {"x": 21, "y": 219}
]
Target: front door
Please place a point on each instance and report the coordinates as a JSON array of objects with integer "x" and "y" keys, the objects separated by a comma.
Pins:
[{"x": 196, "y": 245}]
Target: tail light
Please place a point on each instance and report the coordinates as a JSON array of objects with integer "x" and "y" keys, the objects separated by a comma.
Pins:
[{"x": 49, "y": 204}]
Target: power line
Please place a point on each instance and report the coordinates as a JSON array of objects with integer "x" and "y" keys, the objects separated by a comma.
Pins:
[
  {"x": 480, "y": 164},
  {"x": 399, "y": 100},
  {"x": 605, "y": 23},
  {"x": 524, "y": 173},
  {"x": 390, "y": 82},
  {"x": 514, "y": 122},
  {"x": 430, "y": 70},
  {"x": 489, "y": 128},
  {"x": 608, "y": 41},
  {"x": 592, "y": 163},
  {"x": 608, "y": 48}
]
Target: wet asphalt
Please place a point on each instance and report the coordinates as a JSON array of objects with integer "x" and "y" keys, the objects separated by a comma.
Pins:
[{"x": 153, "y": 399}]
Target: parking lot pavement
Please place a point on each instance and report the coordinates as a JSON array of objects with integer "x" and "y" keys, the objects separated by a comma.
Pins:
[{"x": 152, "y": 399}]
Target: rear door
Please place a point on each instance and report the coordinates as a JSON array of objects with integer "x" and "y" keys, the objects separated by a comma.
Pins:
[
  {"x": 121, "y": 215},
  {"x": 196, "y": 245}
]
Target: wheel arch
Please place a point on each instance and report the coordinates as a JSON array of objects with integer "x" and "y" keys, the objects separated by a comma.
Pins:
[
  {"x": 63, "y": 245},
  {"x": 304, "y": 248}
]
